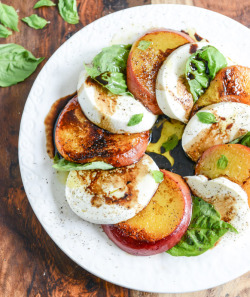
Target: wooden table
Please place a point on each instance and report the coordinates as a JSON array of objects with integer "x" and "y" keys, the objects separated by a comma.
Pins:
[{"x": 30, "y": 263}]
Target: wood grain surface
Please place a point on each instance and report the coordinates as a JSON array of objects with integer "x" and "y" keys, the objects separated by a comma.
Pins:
[{"x": 30, "y": 263}]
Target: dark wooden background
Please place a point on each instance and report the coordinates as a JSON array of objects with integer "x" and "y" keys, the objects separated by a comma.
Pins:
[{"x": 30, "y": 263}]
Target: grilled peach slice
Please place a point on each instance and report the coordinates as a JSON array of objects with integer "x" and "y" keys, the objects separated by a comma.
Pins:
[
  {"x": 230, "y": 84},
  {"x": 160, "y": 225},
  {"x": 246, "y": 188},
  {"x": 144, "y": 63},
  {"x": 79, "y": 140},
  {"x": 238, "y": 166}
]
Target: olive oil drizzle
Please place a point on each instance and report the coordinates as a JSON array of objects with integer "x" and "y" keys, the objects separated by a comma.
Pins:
[{"x": 169, "y": 127}]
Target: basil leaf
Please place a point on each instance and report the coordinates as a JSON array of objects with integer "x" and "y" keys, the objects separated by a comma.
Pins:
[
  {"x": 171, "y": 143},
  {"x": 44, "y": 3},
  {"x": 202, "y": 67},
  {"x": 64, "y": 165},
  {"x": 34, "y": 21},
  {"x": 112, "y": 58},
  {"x": 4, "y": 32},
  {"x": 244, "y": 140},
  {"x": 205, "y": 229},
  {"x": 8, "y": 17},
  {"x": 16, "y": 64},
  {"x": 206, "y": 117},
  {"x": 157, "y": 175},
  {"x": 144, "y": 44},
  {"x": 222, "y": 162},
  {"x": 135, "y": 119},
  {"x": 109, "y": 68},
  {"x": 68, "y": 11},
  {"x": 115, "y": 82}
]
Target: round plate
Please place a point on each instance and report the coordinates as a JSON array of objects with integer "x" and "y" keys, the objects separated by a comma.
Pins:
[{"x": 84, "y": 242}]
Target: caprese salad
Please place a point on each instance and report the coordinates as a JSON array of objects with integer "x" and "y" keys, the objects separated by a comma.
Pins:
[{"x": 103, "y": 132}]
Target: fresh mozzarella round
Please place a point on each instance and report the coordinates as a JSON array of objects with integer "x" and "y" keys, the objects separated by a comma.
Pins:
[
  {"x": 111, "y": 112},
  {"x": 172, "y": 95},
  {"x": 113, "y": 196},
  {"x": 228, "y": 198},
  {"x": 233, "y": 121}
]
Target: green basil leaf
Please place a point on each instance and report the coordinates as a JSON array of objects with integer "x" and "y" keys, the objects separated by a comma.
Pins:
[
  {"x": 135, "y": 119},
  {"x": 64, "y": 165},
  {"x": 205, "y": 229},
  {"x": 68, "y": 11},
  {"x": 157, "y": 175},
  {"x": 144, "y": 44},
  {"x": 112, "y": 58},
  {"x": 206, "y": 117},
  {"x": 202, "y": 67},
  {"x": 109, "y": 68},
  {"x": 8, "y": 17},
  {"x": 171, "y": 143},
  {"x": 244, "y": 140},
  {"x": 4, "y": 32},
  {"x": 222, "y": 162},
  {"x": 34, "y": 21},
  {"x": 16, "y": 64},
  {"x": 41, "y": 3}
]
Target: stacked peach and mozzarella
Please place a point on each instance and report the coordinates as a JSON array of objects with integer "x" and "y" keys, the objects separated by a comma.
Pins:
[{"x": 139, "y": 214}]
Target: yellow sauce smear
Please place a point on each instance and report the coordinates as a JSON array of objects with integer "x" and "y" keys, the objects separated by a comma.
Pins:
[{"x": 169, "y": 128}]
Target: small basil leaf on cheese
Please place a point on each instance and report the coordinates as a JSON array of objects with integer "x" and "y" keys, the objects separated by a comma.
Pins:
[
  {"x": 206, "y": 117},
  {"x": 64, "y": 165},
  {"x": 143, "y": 44},
  {"x": 205, "y": 229},
  {"x": 109, "y": 68},
  {"x": 202, "y": 67},
  {"x": 68, "y": 11},
  {"x": 42, "y": 3},
  {"x": 16, "y": 64},
  {"x": 157, "y": 175},
  {"x": 171, "y": 143},
  {"x": 222, "y": 162},
  {"x": 8, "y": 17},
  {"x": 34, "y": 21},
  {"x": 135, "y": 119},
  {"x": 4, "y": 32}
]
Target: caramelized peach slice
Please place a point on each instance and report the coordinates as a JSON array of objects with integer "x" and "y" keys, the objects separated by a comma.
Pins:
[{"x": 143, "y": 64}]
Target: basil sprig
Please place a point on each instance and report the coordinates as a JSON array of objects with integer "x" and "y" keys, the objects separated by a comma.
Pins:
[
  {"x": 244, "y": 140},
  {"x": 64, "y": 165},
  {"x": 144, "y": 44},
  {"x": 4, "y": 32},
  {"x": 68, "y": 11},
  {"x": 16, "y": 64},
  {"x": 222, "y": 162},
  {"x": 205, "y": 229},
  {"x": 206, "y": 117},
  {"x": 109, "y": 68},
  {"x": 42, "y": 3},
  {"x": 202, "y": 67},
  {"x": 8, "y": 17},
  {"x": 34, "y": 21},
  {"x": 157, "y": 175}
]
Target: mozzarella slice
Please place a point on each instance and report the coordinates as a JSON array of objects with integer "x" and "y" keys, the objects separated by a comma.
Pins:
[
  {"x": 113, "y": 196},
  {"x": 111, "y": 112},
  {"x": 228, "y": 198},
  {"x": 172, "y": 95},
  {"x": 233, "y": 121}
]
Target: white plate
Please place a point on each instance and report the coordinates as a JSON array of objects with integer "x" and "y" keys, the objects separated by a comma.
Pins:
[{"x": 83, "y": 242}]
